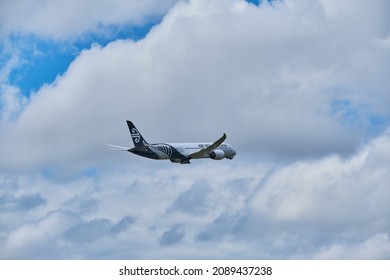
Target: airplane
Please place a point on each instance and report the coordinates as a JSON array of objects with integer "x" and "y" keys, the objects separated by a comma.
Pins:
[{"x": 177, "y": 152}]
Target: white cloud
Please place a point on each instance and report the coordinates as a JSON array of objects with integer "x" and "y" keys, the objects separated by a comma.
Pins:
[
  {"x": 304, "y": 190},
  {"x": 375, "y": 247},
  {"x": 63, "y": 19},
  {"x": 116, "y": 211},
  {"x": 329, "y": 201},
  {"x": 330, "y": 208},
  {"x": 26, "y": 241},
  {"x": 11, "y": 103},
  {"x": 267, "y": 76}
]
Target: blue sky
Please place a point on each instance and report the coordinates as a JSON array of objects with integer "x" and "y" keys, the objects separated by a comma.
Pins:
[
  {"x": 301, "y": 96},
  {"x": 43, "y": 59}
]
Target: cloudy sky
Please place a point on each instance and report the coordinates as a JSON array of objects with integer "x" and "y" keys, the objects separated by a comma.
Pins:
[{"x": 300, "y": 87}]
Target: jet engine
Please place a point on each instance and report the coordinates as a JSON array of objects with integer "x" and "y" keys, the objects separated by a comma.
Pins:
[{"x": 217, "y": 154}]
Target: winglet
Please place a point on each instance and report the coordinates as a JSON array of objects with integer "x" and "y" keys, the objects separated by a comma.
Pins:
[{"x": 216, "y": 143}]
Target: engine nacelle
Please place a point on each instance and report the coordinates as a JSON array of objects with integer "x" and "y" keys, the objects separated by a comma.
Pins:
[{"x": 217, "y": 154}]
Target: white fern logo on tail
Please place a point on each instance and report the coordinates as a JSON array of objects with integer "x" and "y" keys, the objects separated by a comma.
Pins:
[
  {"x": 162, "y": 151},
  {"x": 135, "y": 135}
]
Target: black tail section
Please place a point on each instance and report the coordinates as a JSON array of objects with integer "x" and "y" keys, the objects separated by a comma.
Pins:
[{"x": 138, "y": 140}]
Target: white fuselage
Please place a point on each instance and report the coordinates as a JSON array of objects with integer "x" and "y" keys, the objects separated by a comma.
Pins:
[
  {"x": 183, "y": 152},
  {"x": 189, "y": 148}
]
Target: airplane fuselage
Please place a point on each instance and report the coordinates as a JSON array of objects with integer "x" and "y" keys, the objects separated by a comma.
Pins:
[{"x": 178, "y": 152}]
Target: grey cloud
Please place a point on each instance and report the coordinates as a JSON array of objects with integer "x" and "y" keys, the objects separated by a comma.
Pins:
[
  {"x": 193, "y": 201},
  {"x": 92, "y": 230},
  {"x": 172, "y": 236},
  {"x": 82, "y": 204},
  {"x": 88, "y": 231},
  {"x": 26, "y": 202},
  {"x": 123, "y": 224},
  {"x": 220, "y": 228}
]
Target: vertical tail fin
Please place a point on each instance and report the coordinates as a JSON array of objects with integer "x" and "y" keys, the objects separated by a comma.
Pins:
[{"x": 138, "y": 140}]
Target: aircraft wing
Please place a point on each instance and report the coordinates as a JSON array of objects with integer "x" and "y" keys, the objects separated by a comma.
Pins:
[{"x": 209, "y": 149}]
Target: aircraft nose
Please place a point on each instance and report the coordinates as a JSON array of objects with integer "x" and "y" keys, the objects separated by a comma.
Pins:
[{"x": 232, "y": 152}]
